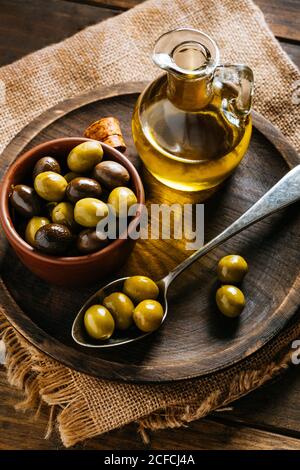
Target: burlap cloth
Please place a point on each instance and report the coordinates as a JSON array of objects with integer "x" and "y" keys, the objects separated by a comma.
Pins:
[{"x": 116, "y": 51}]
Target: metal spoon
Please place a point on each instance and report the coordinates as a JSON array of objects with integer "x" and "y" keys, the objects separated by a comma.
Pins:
[{"x": 282, "y": 194}]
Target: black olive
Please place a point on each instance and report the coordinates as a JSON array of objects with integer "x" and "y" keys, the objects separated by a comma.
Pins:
[
  {"x": 89, "y": 242},
  {"x": 81, "y": 187},
  {"x": 45, "y": 164},
  {"x": 54, "y": 239},
  {"x": 111, "y": 174},
  {"x": 26, "y": 201}
]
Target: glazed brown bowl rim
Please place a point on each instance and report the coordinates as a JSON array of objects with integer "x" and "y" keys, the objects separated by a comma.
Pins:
[{"x": 12, "y": 234}]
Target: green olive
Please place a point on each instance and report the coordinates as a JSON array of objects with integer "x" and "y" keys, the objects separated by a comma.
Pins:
[
  {"x": 230, "y": 301},
  {"x": 81, "y": 187},
  {"x": 63, "y": 213},
  {"x": 85, "y": 156},
  {"x": 148, "y": 315},
  {"x": 50, "y": 186},
  {"x": 121, "y": 199},
  {"x": 45, "y": 164},
  {"x": 89, "y": 211},
  {"x": 53, "y": 239},
  {"x": 70, "y": 176},
  {"x": 140, "y": 288},
  {"x": 232, "y": 269},
  {"x": 111, "y": 174},
  {"x": 121, "y": 308},
  {"x": 99, "y": 322},
  {"x": 25, "y": 200},
  {"x": 33, "y": 226}
]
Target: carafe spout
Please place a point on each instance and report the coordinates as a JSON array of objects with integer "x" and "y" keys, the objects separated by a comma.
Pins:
[{"x": 190, "y": 57}]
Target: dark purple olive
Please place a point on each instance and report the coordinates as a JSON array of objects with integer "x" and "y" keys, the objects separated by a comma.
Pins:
[
  {"x": 111, "y": 174},
  {"x": 45, "y": 164},
  {"x": 25, "y": 201},
  {"x": 82, "y": 187},
  {"x": 53, "y": 239},
  {"x": 89, "y": 242}
]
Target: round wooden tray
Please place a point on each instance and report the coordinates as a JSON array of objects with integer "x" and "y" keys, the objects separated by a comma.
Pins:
[{"x": 195, "y": 339}]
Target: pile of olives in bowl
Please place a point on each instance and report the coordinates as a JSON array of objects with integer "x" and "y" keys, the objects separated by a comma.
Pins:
[
  {"x": 61, "y": 210},
  {"x": 136, "y": 305}
]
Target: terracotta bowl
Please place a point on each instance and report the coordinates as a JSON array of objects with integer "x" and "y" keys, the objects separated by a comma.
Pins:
[{"x": 67, "y": 271}]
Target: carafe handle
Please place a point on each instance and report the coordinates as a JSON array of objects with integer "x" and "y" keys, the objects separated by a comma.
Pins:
[{"x": 235, "y": 85}]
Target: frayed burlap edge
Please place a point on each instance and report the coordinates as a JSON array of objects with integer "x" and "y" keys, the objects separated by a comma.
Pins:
[
  {"x": 45, "y": 381},
  {"x": 243, "y": 383}
]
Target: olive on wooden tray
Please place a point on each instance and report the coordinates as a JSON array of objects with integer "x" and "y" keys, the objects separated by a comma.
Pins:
[
  {"x": 82, "y": 187},
  {"x": 50, "y": 186},
  {"x": 232, "y": 269},
  {"x": 111, "y": 174},
  {"x": 85, "y": 156},
  {"x": 89, "y": 211},
  {"x": 230, "y": 300},
  {"x": 45, "y": 164},
  {"x": 121, "y": 308},
  {"x": 53, "y": 239},
  {"x": 99, "y": 322},
  {"x": 88, "y": 241},
  {"x": 25, "y": 200},
  {"x": 34, "y": 224}
]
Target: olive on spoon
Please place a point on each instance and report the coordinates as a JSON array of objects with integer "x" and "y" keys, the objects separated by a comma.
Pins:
[{"x": 282, "y": 194}]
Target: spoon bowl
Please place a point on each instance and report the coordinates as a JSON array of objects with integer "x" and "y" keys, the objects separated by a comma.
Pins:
[
  {"x": 282, "y": 194},
  {"x": 119, "y": 338}
]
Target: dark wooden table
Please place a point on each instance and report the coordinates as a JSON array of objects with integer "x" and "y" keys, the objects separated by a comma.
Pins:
[{"x": 266, "y": 419}]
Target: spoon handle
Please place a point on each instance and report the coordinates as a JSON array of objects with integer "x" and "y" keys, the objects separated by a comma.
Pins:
[{"x": 282, "y": 194}]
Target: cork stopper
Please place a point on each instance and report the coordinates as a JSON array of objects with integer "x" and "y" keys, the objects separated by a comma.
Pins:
[{"x": 108, "y": 131}]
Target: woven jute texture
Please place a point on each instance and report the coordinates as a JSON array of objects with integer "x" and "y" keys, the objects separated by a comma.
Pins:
[{"x": 115, "y": 51}]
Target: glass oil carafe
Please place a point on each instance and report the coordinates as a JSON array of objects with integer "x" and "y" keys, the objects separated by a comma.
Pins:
[{"x": 192, "y": 125}]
